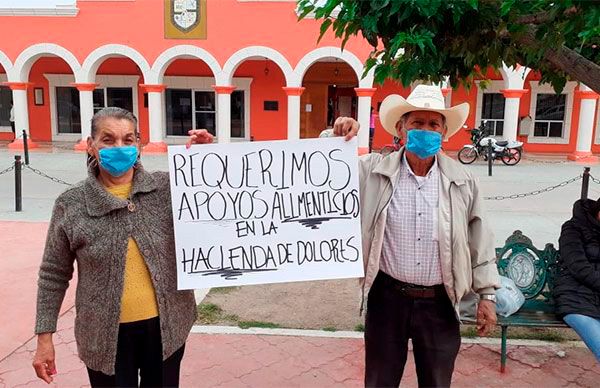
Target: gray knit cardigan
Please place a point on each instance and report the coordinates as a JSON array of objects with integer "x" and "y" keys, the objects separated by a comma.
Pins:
[{"x": 92, "y": 227}]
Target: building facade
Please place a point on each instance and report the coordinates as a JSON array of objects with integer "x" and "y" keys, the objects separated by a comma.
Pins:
[{"x": 257, "y": 73}]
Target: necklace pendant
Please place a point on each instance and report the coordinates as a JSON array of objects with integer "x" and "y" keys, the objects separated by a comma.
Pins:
[{"x": 130, "y": 206}]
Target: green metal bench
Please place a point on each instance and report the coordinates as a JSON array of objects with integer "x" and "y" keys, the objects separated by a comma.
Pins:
[{"x": 534, "y": 273}]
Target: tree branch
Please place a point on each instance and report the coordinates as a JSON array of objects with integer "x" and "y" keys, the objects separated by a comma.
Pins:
[
  {"x": 575, "y": 65},
  {"x": 543, "y": 16}
]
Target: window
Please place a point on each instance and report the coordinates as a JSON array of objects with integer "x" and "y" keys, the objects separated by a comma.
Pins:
[
  {"x": 549, "y": 115},
  {"x": 179, "y": 111},
  {"x": 67, "y": 109},
  {"x": 237, "y": 114},
  {"x": 205, "y": 110},
  {"x": 5, "y": 104},
  {"x": 119, "y": 97},
  {"x": 187, "y": 109},
  {"x": 492, "y": 110}
]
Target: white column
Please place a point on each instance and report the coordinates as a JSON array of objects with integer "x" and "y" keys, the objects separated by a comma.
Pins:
[
  {"x": 585, "y": 131},
  {"x": 364, "y": 117},
  {"x": 86, "y": 111},
  {"x": 223, "y": 113},
  {"x": 155, "y": 117},
  {"x": 511, "y": 118},
  {"x": 21, "y": 111},
  {"x": 21, "y": 114},
  {"x": 156, "y": 142},
  {"x": 511, "y": 112},
  {"x": 293, "y": 94}
]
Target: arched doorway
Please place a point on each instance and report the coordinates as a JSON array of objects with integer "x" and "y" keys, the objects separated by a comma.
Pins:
[{"x": 329, "y": 93}]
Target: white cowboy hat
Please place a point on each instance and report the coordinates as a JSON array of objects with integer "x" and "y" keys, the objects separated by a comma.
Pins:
[{"x": 423, "y": 97}]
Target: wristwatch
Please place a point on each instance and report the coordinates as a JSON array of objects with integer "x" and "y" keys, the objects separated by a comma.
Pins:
[{"x": 491, "y": 297}]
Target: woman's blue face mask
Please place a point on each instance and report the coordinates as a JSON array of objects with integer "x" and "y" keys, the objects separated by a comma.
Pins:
[
  {"x": 118, "y": 160},
  {"x": 422, "y": 143}
]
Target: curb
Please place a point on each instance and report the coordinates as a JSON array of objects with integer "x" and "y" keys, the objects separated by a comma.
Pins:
[{"x": 208, "y": 329}]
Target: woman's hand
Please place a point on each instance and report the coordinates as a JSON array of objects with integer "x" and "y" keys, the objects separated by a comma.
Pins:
[
  {"x": 43, "y": 361},
  {"x": 199, "y": 136},
  {"x": 346, "y": 126}
]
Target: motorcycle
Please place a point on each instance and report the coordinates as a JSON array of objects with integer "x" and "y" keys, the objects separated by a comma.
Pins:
[
  {"x": 392, "y": 147},
  {"x": 509, "y": 152}
]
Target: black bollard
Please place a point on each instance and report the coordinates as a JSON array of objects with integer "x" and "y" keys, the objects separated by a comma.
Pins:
[
  {"x": 585, "y": 183},
  {"x": 18, "y": 187},
  {"x": 26, "y": 147},
  {"x": 489, "y": 156}
]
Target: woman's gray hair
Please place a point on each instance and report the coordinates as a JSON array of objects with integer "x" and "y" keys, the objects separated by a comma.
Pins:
[{"x": 113, "y": 112}]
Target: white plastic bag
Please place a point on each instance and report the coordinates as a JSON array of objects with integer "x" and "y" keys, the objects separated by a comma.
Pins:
[{"x": 509, "y": 298}]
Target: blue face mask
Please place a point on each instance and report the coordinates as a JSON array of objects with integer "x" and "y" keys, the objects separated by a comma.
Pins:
[
  {"x": 422, "y": 143},
  {"x": 118, "y": 160}
]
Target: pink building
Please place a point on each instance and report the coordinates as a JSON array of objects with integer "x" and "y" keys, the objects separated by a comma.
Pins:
[{"x": 257, "y": 74}]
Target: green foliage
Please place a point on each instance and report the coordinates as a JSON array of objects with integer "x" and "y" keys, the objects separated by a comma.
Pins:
[
  {"x": 264, "y": 325},
  {"x": 330, "y": 328},
  {"x": 209, "y": 313},
  {"x": 430, "y": 39},
  {"x": 360, "y": 327}
]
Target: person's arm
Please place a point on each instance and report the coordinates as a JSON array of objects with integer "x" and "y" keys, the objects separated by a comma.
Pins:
[
  {"x": 573, "y": 256},
  {"x": 55, "y": 273},
  {"x": 483, "y": 262},
  {"x": 481, "y": 245}
]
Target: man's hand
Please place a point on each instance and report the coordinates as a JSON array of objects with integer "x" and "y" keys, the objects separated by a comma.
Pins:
[
  {"x": 43, "y": 361},
  {"x": 199, "y": 136},
  {"x": 345, "y": 126},
  {"x": 486, "y": 317}
]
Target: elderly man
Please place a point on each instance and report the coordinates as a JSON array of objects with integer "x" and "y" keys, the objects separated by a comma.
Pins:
[{"x": 425, "y": 242}]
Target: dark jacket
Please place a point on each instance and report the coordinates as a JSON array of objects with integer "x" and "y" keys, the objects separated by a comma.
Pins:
[
  {"x": 92, "y": 227},
  {"x": 577, "y": 288}
]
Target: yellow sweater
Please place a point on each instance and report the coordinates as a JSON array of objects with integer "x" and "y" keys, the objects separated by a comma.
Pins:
[{"x": 138, "y": 301}]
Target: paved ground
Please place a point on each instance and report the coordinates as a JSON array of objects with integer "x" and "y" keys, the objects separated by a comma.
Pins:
[
  {"x": 238, "y": 360},
  {"x": 258, "y": 360}
]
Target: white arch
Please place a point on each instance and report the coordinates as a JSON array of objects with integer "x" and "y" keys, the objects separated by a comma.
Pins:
[
  {"x": 95, "y": 58},
  {"x": 332, "y": 52},
  {"x": 166, "y": 57},
  {"x": 22, "y": 66},
  {"x": 5, "y": 62},
  {"x": 255, "y": 52}
]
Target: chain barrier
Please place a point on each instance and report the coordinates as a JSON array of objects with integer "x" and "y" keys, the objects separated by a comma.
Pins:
[
  {"x": 595, "y": 180},
  {"x": 535, "y": 192},
  {"x": 42, "y": 174},
  {"x": 6, "y": 170}
]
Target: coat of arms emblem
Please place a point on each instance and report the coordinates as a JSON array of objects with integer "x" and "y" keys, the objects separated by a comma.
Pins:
[{"x": 185, "y": 14}]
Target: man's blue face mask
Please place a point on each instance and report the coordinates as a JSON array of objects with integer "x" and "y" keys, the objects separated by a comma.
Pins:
[
  {"x": 422, "y": 143},
  {"x": 118, "y": 160}
]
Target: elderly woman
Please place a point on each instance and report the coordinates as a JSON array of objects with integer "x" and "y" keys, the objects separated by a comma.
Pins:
[
  {"x": 577, "y": 289},
  {"x": 131, "y": 321}
]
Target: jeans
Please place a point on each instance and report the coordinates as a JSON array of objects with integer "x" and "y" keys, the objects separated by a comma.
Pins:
[{"x": 588, "y": 329}]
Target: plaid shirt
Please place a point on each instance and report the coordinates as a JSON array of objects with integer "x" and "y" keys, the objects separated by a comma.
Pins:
[{"x": 410, "y": 245}]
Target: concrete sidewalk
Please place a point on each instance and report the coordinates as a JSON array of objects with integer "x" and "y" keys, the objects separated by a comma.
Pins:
[
  {"x": 239, "y": 360},
  {"x": 255, "y": 360}
]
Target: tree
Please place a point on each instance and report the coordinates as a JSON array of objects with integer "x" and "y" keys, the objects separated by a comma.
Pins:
[{"x": 430, "y": 39}]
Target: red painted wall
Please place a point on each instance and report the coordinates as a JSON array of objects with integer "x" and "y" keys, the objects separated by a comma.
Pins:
[{"x": 139, "y": 24}]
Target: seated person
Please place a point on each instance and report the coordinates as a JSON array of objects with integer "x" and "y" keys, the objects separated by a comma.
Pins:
[{"x": 577, "y": 289}]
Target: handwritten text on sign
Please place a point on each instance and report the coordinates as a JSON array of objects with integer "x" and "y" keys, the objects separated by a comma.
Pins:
[{"x": 265, "y": 212}]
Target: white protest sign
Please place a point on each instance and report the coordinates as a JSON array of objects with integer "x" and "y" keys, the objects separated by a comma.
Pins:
[{"x": 265, "y": 212}]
